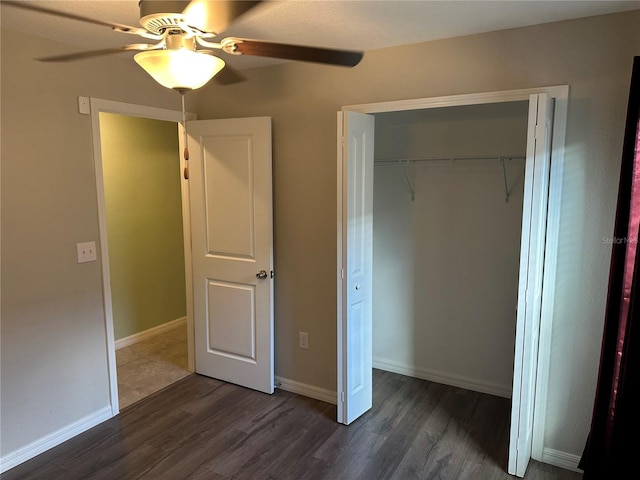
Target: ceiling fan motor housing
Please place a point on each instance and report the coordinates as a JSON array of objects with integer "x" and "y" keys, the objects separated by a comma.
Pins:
[
  {"x": 159, "y": 15},
  {"x": 180, "y": 40}
]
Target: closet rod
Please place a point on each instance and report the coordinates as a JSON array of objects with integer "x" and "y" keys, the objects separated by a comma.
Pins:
[
  {"x": 410, "y": 162},
  {"x": 397, "y": 162}
]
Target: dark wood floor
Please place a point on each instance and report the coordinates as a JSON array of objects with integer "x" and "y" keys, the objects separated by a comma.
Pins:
[{"x": 200, "y": 428}]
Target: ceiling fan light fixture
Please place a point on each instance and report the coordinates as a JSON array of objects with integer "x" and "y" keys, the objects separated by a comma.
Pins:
[{"x": 179, "y": 69}]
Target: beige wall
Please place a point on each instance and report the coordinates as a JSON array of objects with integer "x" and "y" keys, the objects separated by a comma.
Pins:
[
  {"x": 54, "y": 363},
  {"x": 53, "y": 343},
  {"x": 592, "y": 55},
  {"x": 143, "y": 206}
]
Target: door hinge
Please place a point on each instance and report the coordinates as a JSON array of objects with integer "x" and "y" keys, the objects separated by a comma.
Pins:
[{"x": 342, "y": 397}]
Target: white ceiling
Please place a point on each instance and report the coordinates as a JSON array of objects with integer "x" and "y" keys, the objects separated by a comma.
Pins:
[{"x": 350, "y": 24}]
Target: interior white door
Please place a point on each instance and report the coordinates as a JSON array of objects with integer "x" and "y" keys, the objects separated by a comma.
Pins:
[
  {"x": 230, "y": 197},
  {"x": 534, "y": 228},
  {"x": 355, "y": 388}
]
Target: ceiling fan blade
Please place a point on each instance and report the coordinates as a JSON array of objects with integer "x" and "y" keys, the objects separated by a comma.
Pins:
[
  {"x": 214, "y": 16},
  {"x": 97, "y": 53},
  {"x": 291, "y": 52},
  {"x": 72, "y": 16}
]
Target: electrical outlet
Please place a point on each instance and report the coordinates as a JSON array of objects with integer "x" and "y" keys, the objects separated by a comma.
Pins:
[
  {"x": 303, "y": 340},
  {"x": 86, "y": 252}
]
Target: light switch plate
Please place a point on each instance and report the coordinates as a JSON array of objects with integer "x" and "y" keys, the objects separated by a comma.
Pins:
[
  {"x": 86, "y": 252},
  {"x": 84, "y": 105},
  {"x": 303, "y": 338}
]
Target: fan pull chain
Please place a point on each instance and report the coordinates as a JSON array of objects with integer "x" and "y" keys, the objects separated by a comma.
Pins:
[{"x": 186, "y": 145}]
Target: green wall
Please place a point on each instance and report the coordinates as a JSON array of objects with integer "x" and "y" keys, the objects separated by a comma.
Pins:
[{"x": 140, "y": 161}]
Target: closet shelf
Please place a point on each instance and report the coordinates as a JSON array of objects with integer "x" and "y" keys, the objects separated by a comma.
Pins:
[{"x": 412, "y": 162}]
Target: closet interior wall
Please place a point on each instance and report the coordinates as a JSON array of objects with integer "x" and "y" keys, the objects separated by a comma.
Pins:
[{"x": 445, "y": 265}]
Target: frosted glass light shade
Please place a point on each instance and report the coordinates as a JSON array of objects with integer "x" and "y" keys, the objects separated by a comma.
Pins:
[{"x": 180, "y": 68}]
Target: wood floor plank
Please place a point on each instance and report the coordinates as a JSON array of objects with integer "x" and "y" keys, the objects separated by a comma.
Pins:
[
  {"x": 44, "y": 471},
  {"x": 350, "y": 451},
  {"x": 419, "y": 406},
  {"x": 201, "y": 428},
  {"x": 191, "y": 459},
  {"x": 306, "y": 433},
  {"x": 208, "y": 434},
  {"x": 133, "y": 464}
]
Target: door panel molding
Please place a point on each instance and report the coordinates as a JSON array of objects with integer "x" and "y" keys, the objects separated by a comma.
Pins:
[{"x": 226, "y": 338}]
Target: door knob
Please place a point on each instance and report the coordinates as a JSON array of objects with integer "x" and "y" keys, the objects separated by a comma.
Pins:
[{"x": 261, "y": 275}]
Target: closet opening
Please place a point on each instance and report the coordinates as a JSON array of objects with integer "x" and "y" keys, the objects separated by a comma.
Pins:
[
  {"x": 469, "y": 366},
  {"x": 447, "y": 215}
]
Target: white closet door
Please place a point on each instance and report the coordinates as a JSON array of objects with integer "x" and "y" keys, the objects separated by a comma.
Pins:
[
  {"x": 356, "y": 385},
  {"x": 534, "y": 228}
]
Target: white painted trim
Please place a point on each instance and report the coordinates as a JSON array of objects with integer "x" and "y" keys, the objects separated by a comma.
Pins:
[
  {"x": 150, "y": 332},
  {"x": 53, "y": 439},
  {"x": 341, "y": 313},
  {"x": 188, "y": 261},
  {"x": 550, "y": 266},
  {"x": 565, "y": 460},
  {"x": 109, "y": 106},
  {"x": 306, "y": 390},
  {"x": 446, "y": 378},
  {"x": 97, "y": 106},
  {"x": 456, "y": 100}
]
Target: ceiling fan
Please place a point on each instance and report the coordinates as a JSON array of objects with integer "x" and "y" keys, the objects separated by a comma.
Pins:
[{"x": 184, "y": 55}]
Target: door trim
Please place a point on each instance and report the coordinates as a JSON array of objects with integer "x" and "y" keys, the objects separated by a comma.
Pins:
[
  {"x": 561, "y": 95},
  {"x": 97, "y": 106}
]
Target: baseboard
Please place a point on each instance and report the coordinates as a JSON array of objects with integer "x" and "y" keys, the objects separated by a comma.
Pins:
[
  {"x": 306, "y": 390},
  {"x": 565, "y": 460},
  {"x": 443, "y": 377},
  {"x": 151, "y": 332},
  {"x": 27, "y": 452}
]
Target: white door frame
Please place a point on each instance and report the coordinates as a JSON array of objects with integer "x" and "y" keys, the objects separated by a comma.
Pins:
[
  {"x": 561, "y": 95},
  {"x": 107, "y": 106}
]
